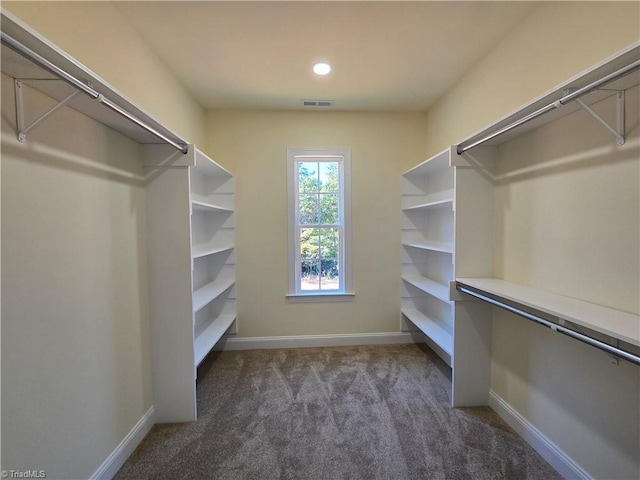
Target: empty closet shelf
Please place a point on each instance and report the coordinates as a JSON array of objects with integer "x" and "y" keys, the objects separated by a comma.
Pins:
[
  {"x": 432, "y": 246},
  {"x": 199, "y": 206},
  {"x": 203, "y": 250},
  {"x": 207, "y": 338},
  {"x": 435, "y": 289},
  {"x": 431, "y": 329},
  {"x": 433, "y": 204},
  {"x": 205, "y": 295},
  {"x": 608, "y": 321}
]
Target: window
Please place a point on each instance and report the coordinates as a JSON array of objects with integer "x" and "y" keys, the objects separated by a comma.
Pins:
[{"x": 319, "y": 221}]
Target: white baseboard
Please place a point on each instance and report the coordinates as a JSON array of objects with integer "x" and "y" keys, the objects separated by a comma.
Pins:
[
  {"x": 257, "y": 343},
  {"x": 112, "y": 464},
  {"x": 548, "y": 450}
]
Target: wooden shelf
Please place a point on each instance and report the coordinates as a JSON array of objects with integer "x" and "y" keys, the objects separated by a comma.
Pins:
[
  {"x": 431, "y": 329},
  {"x": 205, "y": 341},
  {"x": 435, "y": 289},
  {"x": 199, "y": 206},
  {"x": 205, "y": 295},
  {"x": 615, "y": 323},
  {"x": 204, "y": 250},
  {"x": 432, "y": 246}
]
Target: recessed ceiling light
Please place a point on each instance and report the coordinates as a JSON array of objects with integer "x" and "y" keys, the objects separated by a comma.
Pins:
[{"x": 321, "y": 68}]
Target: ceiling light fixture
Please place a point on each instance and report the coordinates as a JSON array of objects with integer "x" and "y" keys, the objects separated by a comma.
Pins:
[{"x": 321, "y": 68}]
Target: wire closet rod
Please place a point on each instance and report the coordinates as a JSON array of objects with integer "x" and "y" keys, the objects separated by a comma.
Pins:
[
  {"x": 558, "y": 328},
  {"x": 59, "y": 72},
  {"x": 463, "y": 147}
]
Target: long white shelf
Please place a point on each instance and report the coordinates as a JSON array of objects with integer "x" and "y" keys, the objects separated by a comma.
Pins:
[
  {"x": 615, "y": 323},
  {"x": 205, "y": 295},
  {"x": 199, "y": 206},
  {"x": 435, "y": 203},
  {"x": 205, "y": 341},
  {"x": 432, "y": 246},
  {"x": 431, "y": 329},
  {"x": 435, "y": 289},
  {"x": 198, "y": 251}
]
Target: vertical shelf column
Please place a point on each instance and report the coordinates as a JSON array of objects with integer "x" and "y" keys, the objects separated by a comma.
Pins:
[{"x": 190, "y": 225}]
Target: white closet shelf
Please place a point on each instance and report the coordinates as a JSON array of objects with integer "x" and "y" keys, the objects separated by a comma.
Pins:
[
  {"x": 205, "y": 341},
  {"x": 608, "y": 321},
  {"x": 432, "y": 204},
  {"x": 18, "y": 67},
  {"x": 199, "y": 206},
  {"x": 204, "y": 250},
  {"x": 431, "y": 329},
  {"x": 207, "y": 167},
  {"x": 205, "y": 295},
  {"x": 431, "y": 165},
  {"x": 435, "y": 289},
  {"x": 432, "y": 246}
]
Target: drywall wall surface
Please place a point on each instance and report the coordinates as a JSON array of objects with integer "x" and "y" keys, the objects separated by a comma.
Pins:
[
  {"x": 555, "y": 42},
  {"x": 254, "y": 147},
  {"x": 567, "y": 213},
  {"x": 75, "y": 349},
  {"x": 98, "y": 36}
]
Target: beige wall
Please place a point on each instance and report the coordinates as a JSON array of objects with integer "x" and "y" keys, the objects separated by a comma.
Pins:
[
  {"x": 555, "y": 42},
  {"x": 566, "y": 220},
  {"x": 75, "y": 350},
  {"x": 98, "y": 35},
  {"x": 253, "y": 145}
]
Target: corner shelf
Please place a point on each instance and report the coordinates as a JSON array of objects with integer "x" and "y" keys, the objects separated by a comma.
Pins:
[
  {"x": 205, "y": 295},
  {"x": 206, "y": 339},
  {"x": 433, "y": 288},
  {"x": 432, "y": 329}
]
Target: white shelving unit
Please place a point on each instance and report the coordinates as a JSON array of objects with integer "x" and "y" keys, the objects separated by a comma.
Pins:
[
  {"x": 444, "y": 200},
  {"x": 447, "y": 235},
  {"x": 192, "y": 271}
]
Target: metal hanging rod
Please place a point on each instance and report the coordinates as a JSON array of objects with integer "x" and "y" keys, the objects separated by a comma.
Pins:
[
  {"x": 51, "y": 67},
  {"x": 558, "y": 328},
  {"x": 463, "y": 147}
]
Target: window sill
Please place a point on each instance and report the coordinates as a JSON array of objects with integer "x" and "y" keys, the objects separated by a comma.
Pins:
[{"x": 320, "y": 297}]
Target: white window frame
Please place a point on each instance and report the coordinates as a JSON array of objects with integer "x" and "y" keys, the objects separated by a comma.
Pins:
[{"x": 343, "y": 157}]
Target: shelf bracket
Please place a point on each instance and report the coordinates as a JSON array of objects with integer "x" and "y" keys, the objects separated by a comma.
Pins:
[
  {"x": 618, "y": 132},
  {"x": 22, "y": 129}
]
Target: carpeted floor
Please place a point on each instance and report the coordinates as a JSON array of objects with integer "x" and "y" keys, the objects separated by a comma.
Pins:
[{"x": 364, "y": 412}]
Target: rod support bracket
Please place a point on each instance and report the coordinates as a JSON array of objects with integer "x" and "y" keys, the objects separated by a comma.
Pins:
[{"x": 20, "y": 120}]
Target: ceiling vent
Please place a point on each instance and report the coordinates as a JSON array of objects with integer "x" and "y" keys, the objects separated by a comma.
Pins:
[{"x": 316, "y": 103}]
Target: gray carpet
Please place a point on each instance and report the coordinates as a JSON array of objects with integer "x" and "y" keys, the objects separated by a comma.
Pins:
[{"x": 365, "y": 412}]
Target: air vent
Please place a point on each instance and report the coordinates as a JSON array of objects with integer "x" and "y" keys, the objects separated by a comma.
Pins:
[{"x": 316, "y": 103}]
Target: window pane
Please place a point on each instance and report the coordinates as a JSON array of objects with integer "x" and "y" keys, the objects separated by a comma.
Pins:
[
  {"x": 329, "y": 208},
  {"x": 309, "y": 279},
  {"x": 329, "y": 177},
  {"x": 329, "y": 275},
  {"x": 309, "y": 243},
  {"x": 308, "y": 177},
  {"x": 308, "y": 204},
  {"x": 329, "y": 243}
]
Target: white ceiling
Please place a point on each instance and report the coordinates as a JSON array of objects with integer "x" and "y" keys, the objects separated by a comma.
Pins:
[{"x": 386, "y": 56}]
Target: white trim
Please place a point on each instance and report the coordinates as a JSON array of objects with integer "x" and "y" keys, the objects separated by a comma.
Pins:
[
  {"x": 320, "y": 297},
  {"x": 301, "y": 341},
  {"x": 559, "y": 460},
  {"x": 114, "y": 462},
  {"x": 343, "y": 157}
]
